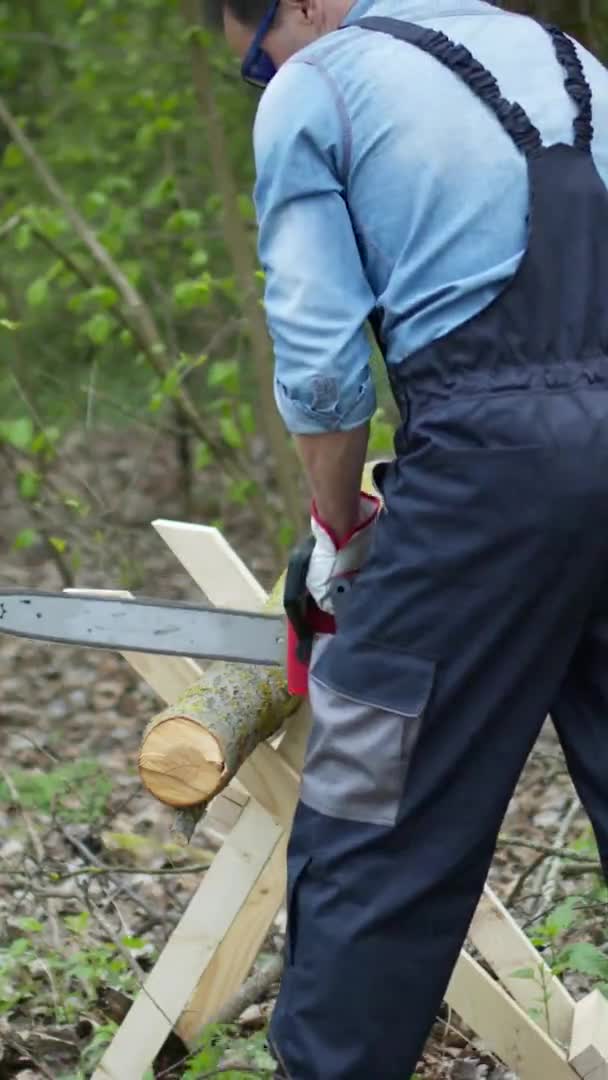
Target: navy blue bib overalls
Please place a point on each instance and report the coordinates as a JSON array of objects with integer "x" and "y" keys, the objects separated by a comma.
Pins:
[{"x": 483, "y": 608}]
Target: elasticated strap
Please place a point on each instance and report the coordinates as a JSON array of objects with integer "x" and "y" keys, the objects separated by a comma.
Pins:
[
  {"x": 462, "y": 63},
  {"x": 576, "y": 85}
]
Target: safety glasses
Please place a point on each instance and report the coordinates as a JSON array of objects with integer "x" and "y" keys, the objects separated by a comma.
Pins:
[{"x": 257, "y": 68}]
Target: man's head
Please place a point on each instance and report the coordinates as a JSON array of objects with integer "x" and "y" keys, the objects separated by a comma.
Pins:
[{"x": 265, "y": 33}]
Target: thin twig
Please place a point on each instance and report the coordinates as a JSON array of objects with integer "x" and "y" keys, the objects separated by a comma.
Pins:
[
  {"x": 252, "y": 991},
  {"x": 516, "y": 890},
  {"x": 12, "y": 1039},
  {"x": 547, "y": 849},
  {"x": 550, "y": 884},
  {"x": 89, "y": 856},
  {"x": 9, "y": 225},
  {"x": 39, "y": 853}
]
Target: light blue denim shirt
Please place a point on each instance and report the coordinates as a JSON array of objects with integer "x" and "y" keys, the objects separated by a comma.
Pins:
[{"x": 381, "y": 179}]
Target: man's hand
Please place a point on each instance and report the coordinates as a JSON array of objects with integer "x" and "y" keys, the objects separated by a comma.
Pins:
[{"x": 336, "y": 557}]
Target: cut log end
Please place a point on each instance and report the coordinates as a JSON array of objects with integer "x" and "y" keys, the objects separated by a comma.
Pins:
[{"x": 181, "y": 763}]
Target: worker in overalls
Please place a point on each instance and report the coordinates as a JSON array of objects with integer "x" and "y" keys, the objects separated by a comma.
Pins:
[{"x": 438, "y": 167}]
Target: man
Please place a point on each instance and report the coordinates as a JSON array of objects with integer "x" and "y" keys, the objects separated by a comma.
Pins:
[{"x": 431, "y": 165}]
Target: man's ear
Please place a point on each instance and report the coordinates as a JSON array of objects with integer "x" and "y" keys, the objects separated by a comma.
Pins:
[{"x": 307, "y": 10}]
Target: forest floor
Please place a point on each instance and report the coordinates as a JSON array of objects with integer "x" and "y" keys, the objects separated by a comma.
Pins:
[{"x": 91, "y": 882}]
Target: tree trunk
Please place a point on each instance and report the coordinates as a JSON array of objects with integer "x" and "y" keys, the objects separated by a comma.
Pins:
[{"x": 268, "y": 422}]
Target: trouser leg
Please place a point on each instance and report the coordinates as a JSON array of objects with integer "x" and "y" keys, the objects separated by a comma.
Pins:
[
  {"x": 425, "y": 708},
  {"x": 580, "y": 715}
]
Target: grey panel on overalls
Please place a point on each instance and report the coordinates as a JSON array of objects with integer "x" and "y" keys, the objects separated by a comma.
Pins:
[{"x": 362, "y": 736}]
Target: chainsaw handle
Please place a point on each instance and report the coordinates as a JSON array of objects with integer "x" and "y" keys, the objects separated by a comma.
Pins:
[{"x": 296, "y": 598}]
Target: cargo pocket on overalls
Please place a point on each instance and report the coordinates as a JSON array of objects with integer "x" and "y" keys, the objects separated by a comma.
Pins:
[{"x": 368, "y": 703}]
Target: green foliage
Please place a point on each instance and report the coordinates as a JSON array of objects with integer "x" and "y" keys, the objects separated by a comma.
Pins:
[
  {"x": 77, "y": 791},
  {"x": 220, "y": 1041},
  {"x": 122, "y": 133},
  {"x": 562, "y": 937},
  {"x": 29, "y": 967}
]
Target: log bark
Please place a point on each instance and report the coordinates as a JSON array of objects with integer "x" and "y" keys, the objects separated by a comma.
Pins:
[{"x": 193, "y": 748}]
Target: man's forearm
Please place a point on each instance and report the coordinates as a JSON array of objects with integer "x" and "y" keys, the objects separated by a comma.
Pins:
[{"x": 333, "y": 463}]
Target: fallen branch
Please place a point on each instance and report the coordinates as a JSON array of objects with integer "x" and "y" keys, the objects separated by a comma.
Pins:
[
  {"x": 551, "y": 880},
  {"x": 253, "y": 990},
  {"x": 547, "y": 849}
]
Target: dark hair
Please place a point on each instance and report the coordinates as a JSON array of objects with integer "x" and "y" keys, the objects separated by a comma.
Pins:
[{"x": 248, "y": 12}]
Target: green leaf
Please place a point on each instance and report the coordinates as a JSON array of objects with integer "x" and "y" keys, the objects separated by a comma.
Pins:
[
  {"x": 33, "y": 926},
  {"x": 7, "y": 324},
  {"x": 203, "y": 456},
  {"x": 198, "y": 259},
  {"x": 230, "y": 433},
  {"x": 183, "y": 220},
  {"x": 246, "y": 208},
  {"x": 77, "y": 923},
  {"x": 19, "y": 947},
  {"x": 524, "y": 973},
  {"x": 23, "y": 237},
  {"x": 25, "y": 539},
  {"x": 104, "y": 295},
  {"x": 44, "y": 441},
  {"x": 286, "y": 534},
  {"x": 134, "y": 942},
  {"x": 29, "y": 483},
  {"x": 224, "y": 373},
  {"x": 239, "y": 491},
  {"x": 58, "y": 543},
  {"x": 19, "y": 433},
  {"x": 194, "y": 292},
  {"x": 13, "y": 157},
  {"x": 381, "y": 435},
  {"x": 160, "y": 193},
  {"x": 171, "y": 382},
  {"x": 584, "y": 958},
  {"x": 561, "y": 918},
  {"x": 96, "y": 200},
  {"x": 37, "y": 292},
  {"x": 99, "y": 327},
  {"x": 246, "y": 418}
]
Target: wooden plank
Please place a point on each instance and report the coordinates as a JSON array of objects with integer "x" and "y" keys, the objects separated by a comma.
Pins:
[
  {"x": 224, "y": 895},
  {"x": 589, "y": 1046},
  {"x": 507, "y": 949},
  {"x": 270, "y": 780},
  {"x": 239, "y": 947},
  {"x": 257, "y": 891},
  {"x": 235, "y": 955},
  {"x": 503, "y": 1025},
  {"x": 212, "y": 564}
]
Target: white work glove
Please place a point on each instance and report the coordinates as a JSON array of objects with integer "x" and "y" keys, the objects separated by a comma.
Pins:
[{"x": 333, "y": 558}]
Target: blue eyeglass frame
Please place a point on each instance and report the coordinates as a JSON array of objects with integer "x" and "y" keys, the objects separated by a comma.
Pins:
[{"x": 257, "y": 68}]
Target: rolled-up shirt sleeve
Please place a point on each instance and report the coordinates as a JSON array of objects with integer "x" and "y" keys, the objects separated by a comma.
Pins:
[{"x": 317, "y": 296}]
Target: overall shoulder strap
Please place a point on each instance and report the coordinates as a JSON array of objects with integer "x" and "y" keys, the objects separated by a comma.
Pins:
[
  {"x": 576, "y": 85},
  {"x": 463, "y": 64}
]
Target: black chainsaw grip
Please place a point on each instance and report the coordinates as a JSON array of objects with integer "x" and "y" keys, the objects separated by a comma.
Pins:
[{"x": 296, "y": 597}]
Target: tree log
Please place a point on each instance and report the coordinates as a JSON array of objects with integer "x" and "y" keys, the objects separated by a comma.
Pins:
[{"x": 193, "y": 748}]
